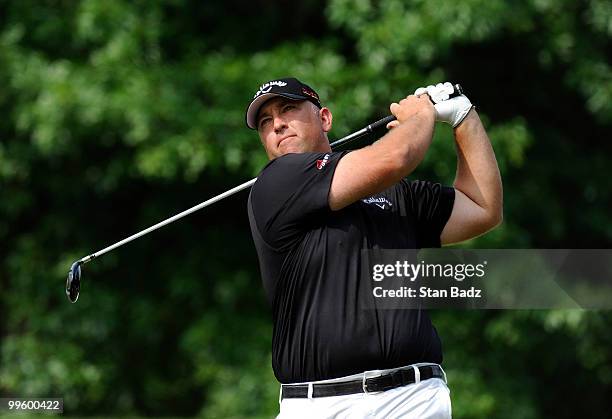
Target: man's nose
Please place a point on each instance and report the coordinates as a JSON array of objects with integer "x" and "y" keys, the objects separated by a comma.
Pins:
[{"x": 279, "y": 123}]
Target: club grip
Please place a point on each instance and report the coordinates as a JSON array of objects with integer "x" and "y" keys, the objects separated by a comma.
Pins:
[
  {"x": 380, "y": 123},
  {"x": 371, "y": 129},
  {"x": 458, "y": 91}
]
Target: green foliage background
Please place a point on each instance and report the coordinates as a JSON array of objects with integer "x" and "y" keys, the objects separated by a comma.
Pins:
[{"x": 116, "y": 114}]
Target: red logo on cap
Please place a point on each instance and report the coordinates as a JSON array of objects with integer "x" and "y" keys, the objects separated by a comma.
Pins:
[{"x": 310, "y": 93}]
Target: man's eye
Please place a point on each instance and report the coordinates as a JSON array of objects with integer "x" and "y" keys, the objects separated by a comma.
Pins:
[
  {"x": 288, "y": 107},
  {"x": 264, "y": 122}
]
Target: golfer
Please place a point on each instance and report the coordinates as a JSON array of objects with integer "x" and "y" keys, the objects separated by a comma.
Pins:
[{"x": 312, "y": 211}]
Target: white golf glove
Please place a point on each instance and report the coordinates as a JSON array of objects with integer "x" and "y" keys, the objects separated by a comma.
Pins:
[{"x": 449, "y": 110}]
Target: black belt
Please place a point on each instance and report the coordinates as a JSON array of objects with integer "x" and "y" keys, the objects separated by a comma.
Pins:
[{"x": 391, "y": 380}]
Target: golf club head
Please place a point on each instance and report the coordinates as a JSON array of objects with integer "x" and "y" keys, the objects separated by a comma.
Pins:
[{"x": 73, "y": 282}]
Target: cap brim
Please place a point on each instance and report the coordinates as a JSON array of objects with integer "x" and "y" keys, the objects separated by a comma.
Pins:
[{"x": 253, "y": 109}]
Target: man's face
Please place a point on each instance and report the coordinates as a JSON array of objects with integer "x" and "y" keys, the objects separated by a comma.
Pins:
[{"x": 290, "y": 126}]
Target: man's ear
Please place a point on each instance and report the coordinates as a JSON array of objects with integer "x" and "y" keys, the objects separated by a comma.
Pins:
[{"x": 326, "y": 119}]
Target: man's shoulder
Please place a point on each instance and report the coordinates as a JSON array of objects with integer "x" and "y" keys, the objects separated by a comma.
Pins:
[
  {"x": 278, "y": 172},
  {"x": 291, "y": 165},
  {"x": 291, "y": 159},
  {"x": 280, "y": 166}
]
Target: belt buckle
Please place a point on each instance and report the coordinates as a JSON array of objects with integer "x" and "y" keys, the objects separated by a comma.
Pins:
[{"x": 364, "y": 384}]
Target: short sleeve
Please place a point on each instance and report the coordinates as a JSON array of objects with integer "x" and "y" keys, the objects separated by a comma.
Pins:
[
  {"x": 290, "y": 193},
  {"x": 432, "y": 204}
]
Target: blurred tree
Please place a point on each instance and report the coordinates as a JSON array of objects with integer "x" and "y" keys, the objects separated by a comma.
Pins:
[{"x": 116, "y": 112}]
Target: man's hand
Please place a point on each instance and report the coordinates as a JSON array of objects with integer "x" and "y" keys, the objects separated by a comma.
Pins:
[
  {"x": 453, "y": 110},
  {"x": 408, "y": 107}
]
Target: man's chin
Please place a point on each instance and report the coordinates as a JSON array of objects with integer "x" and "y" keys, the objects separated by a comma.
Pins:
[{"x": 290, "y": 148}]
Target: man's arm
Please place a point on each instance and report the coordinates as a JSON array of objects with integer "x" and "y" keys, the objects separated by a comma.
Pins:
[
  {"x": 374, "y": 168},
  {"x": 478, "y": 186}
]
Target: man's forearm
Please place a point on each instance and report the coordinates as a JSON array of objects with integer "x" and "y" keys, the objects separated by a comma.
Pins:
[
  {"x": 409, "y": 141},
  {"x": 478, "y": 175},
  {"x": 374, "y": 168}
]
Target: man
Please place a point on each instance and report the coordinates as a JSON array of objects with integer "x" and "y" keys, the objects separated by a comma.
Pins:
[{"x": 312, "y": 212}]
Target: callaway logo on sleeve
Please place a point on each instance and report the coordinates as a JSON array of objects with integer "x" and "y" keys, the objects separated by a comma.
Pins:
[{"x": 380, "y": 201}]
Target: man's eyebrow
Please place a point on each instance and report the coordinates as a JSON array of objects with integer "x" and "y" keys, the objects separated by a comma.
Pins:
[
  {"x": 279, "y": 103},
  {"x": 261, "y": 114}
]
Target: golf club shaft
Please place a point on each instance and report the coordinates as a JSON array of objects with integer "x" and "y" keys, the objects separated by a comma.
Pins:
[
  {"x": 351, "y": 137},
  {"x": 170, "y": 220},
  {"x": 370, "y": 129}
]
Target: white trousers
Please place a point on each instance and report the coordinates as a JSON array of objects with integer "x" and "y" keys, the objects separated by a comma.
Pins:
[{"x": 425, "y": 399}]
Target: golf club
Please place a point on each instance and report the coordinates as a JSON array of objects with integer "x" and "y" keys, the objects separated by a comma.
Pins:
[{"x": 73, "y": 282}]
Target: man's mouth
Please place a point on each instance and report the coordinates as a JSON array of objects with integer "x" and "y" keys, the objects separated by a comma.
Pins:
[{"x": 284, "y": 138}]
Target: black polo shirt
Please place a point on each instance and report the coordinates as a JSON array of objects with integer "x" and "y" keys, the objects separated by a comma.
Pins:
[{"x": 310, "y": 262}]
